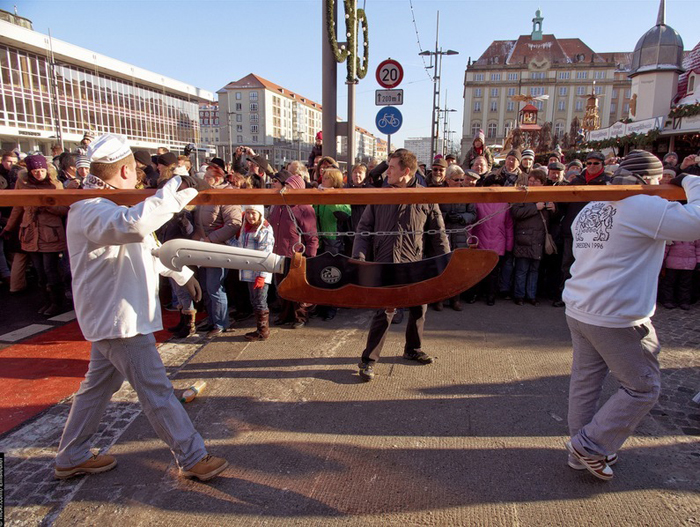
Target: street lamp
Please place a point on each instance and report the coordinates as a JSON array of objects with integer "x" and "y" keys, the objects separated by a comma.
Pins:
[
  {"x": 437, "y": 54},
  {"x": 230, "y": 136},
  {"x": 446, "y": 111}
]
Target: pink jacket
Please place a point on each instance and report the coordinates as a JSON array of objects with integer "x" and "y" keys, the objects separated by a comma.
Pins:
[
  {"x": 495, "y": 234},
  {"x": 682, "y": 255}
]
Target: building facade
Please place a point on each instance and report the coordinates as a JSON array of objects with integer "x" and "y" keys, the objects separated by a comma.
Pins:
[
  {"x": 52, "y": 90},
  {"x": 565, "y": 70},
  {"x": 209, "y": 123},
  {"x": 421, "y": 147},
  {"x": 275, "y": 121}
]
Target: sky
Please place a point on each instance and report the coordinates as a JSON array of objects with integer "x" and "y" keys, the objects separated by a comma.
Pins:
[{"x": 211, "y": 43}]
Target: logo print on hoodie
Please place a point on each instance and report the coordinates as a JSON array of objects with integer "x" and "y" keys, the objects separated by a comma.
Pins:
[{"x": 596, "y": 218}]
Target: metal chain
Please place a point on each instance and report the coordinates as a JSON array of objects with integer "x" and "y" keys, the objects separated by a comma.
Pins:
[{"x": 465, "y": 230}]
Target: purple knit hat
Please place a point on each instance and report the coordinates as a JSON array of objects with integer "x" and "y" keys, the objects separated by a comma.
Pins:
[{"x": 35, "y": 161}]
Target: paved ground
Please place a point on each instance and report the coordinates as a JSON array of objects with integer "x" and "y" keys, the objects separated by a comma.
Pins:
[{"x": 474, "y": 439}]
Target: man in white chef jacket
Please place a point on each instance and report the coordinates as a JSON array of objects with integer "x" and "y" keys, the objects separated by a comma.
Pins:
[{"x": 115, "y": 292}]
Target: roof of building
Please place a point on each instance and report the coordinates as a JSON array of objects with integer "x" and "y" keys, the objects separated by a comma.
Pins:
[
  {"x": 555, "y": 50},
  {"x": 691, "y": 64},
  {"x": 256, "y": 81},
  {"x": 659, "y": 49}
]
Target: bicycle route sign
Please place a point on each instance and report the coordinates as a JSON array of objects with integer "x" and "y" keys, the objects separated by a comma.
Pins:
[
  {"x": 389, "y": 74},
  {"x": 389, "y": 120}
]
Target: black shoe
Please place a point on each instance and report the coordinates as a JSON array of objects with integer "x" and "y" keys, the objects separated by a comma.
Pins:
[
  {"x": 519, "y": 302},
  {"x": 437, "y": 306},
  {"x": 491, "y": 302},
  {"x": 558, "y": 303},
  {"x": 398, "y": 317},
  {"x": 366, "y": 371},
  {"x": 471, "y": 299},
  {"x": 419, "y": 356},
  {"x": 533, "y": 301},
  {"x": 330, "y": 314}
]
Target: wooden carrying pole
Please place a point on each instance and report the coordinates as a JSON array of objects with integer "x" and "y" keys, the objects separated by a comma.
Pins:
[{"x": 39, "y": 198}]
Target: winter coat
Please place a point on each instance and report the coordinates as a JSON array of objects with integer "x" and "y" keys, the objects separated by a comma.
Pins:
[
  {"x": 286, "y": 234},
  {"x": 466, "y": 212},
  {"x": 402, "y": 247},
  {"x": 496, "y": 233},
  {"x": 41, "y": 229},
  {"x": 529, "y": 230},
  {"x": 327, "y": 222},
  {"x": 502, "y": 177},
  {"x": 472, "y": 154},
  {"x": 682, "y": 255},
  {"x": 219, "y": 223},
  {"x": 260, "y": 239}
]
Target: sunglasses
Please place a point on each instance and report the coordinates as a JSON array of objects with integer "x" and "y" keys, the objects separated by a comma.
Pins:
[{"x": 593, "y": 163}]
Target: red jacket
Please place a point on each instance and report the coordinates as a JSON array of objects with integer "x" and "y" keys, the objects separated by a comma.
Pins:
[{"x": 286, "y": 233}]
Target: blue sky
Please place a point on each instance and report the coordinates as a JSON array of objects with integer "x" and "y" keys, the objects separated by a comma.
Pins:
[{"x": 210, "y": 43}]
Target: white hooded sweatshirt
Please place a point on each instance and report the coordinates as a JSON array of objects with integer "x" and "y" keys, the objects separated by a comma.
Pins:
[
  {"x": 115, "y": 276},
  {"x": 619, "y": 250}
]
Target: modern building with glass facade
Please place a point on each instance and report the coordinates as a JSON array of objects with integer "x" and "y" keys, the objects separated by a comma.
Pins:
[{"x": 53, "y": 91}]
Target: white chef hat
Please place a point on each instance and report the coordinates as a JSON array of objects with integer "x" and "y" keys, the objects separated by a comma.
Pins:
[{"x": 108, "y": 148}]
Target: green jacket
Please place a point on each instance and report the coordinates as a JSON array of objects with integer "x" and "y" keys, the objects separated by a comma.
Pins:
[{"x": 327, "y": 222}]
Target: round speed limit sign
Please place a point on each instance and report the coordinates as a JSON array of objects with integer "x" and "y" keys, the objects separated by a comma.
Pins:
[{"x": 389, "y": 74}]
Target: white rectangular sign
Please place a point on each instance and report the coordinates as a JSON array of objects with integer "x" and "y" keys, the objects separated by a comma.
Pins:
[{"x": 388, "y": 97}]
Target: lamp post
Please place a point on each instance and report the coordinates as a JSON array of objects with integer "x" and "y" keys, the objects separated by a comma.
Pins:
[
  {"x": 437, "y": 69},
  {"x": 230, "y": 136},
  {"x": 446, "y": 111}
]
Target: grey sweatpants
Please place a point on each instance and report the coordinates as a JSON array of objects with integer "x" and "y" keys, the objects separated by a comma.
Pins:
[
  {"x": 137, "y": 360},
  {"x": 630, "y": 354}
]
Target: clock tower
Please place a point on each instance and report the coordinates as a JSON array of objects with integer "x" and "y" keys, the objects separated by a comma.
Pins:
[{"x": 537, "y": 26}]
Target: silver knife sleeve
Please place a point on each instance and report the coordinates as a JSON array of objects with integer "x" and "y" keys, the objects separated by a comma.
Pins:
[{"x": 174, "y": 254}]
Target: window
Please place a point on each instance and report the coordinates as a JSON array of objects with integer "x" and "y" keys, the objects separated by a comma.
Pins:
[
  {"x": 253, "y": 117},
  {"x": 477, "y": 106},
  {"x": 599, "y": 75},
  {"x": 512, "y": 76},
  {"x": 563, "y": 91},
  {"x": 477, "y": 92},
  {"x": 239, "y": 139},
  {"x": 538, "y": 105},
  {"x": 615, "y": 93},
  {"x": 205, "y": 121},
  {"x": 493, "y": 129},
  {"x": 536, "y": 90},
  {"x": 561, "y": 105},
  {"x": 563, "y": 75},
  {"x": 581, "y": 74},
  {"x": 239, "y": 107},
  {"x": 559, "y": 130},
  {"x": 613, "y": 107},
  {"x": 537, "y": 75},
  {"x": 255, "y": 138},
  {"x": 510, "y": 106},
  {"x": 691, "y": 83},
  {"x": 253, "y": 128},
  {"x": 580, "y": 90},
  {"x": 238, "y": 96},
  {"x": 253, "y": 107},
  {"x": 579, "y": 106},
  {"x": 495, "y": 76},
  {"x": 628, "y": 93},
  {"x": 253, "y": 96},
  {"x": 511, "y": 92},
  {"x": 478, "y": 76},
  {"x": 216, "y": 121},
  {"x": 239, "y": 118},
  {"x": 626, "y": 109},
  {"x": 494, "y": 92},
  {"x": 598, "y": 90},
  {"x": 509, "y": 126},
  {"x": 494, "y": 106},
  {"x": 476, "y": 126},
  {"x": 239, "y": 128}
]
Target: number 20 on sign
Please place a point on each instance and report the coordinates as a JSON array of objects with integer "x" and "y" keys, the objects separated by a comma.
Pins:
[{"x": 389, "y": 74}]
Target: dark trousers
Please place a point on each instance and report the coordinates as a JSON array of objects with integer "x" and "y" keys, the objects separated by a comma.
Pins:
[
  {"x": 567, "y": 260},
  {"x": 675, "y": 286},
  {"x": 379, "y": 329},
  {"x": 47, "y": 266}
]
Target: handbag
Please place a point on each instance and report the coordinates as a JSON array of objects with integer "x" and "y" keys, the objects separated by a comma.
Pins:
[{"x": 549, "y": 246}]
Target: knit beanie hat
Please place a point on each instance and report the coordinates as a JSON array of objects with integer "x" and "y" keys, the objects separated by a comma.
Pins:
[
  {"x": 259, "y": 208},
  {"x": 480, "y": 136},
  {"x": 515, "y": 153},
  {"x": 642, "y": 163},
  {"x": 82, "y": 162},
  {"x": 295, "y": 182},
  {"x": 35, "y": 161},
  {"x": 528, "y": 153}
]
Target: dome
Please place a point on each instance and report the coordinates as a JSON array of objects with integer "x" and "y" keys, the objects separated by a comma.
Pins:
[{"x": 659, "y": 49}]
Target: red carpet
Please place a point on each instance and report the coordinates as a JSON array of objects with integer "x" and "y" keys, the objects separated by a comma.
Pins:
[{"x": 43, "y": 370}]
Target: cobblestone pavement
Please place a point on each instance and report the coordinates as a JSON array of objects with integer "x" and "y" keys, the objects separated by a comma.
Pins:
[
  {"x": 33, "y": 497},
  {"x": 30, "y": 449}
]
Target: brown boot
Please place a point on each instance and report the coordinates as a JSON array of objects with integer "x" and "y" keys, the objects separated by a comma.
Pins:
[
  {"x": 189, "y": 326},
  {"x": 263, "y": 321},
  {"x": 301, "y": 315}
]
